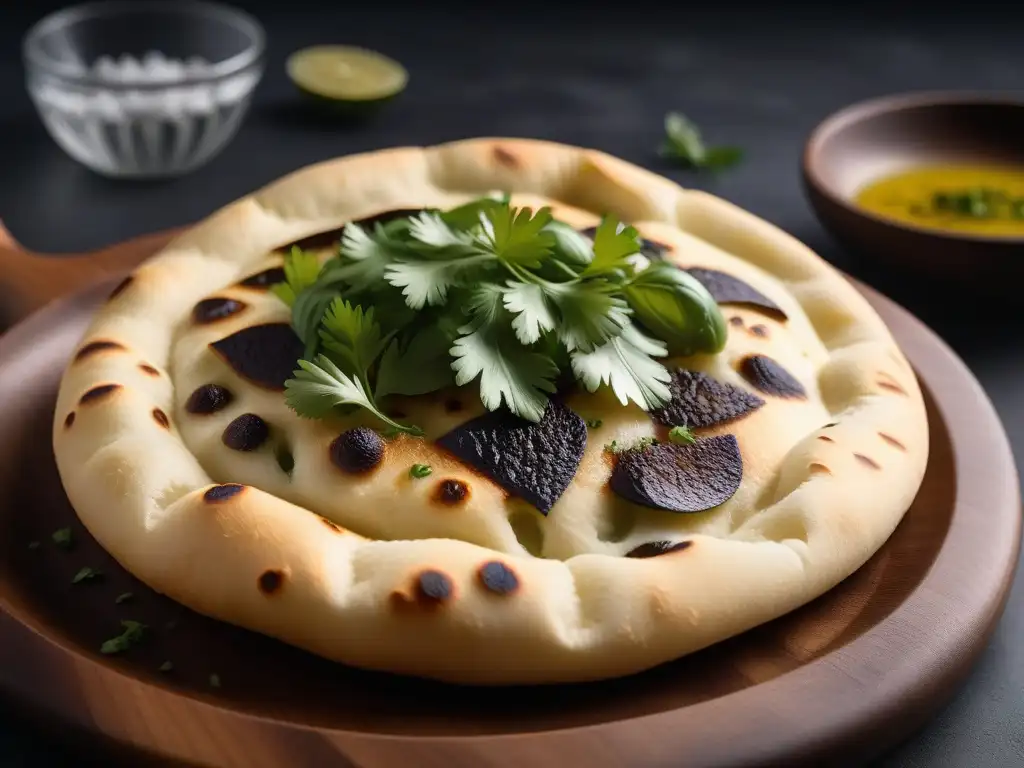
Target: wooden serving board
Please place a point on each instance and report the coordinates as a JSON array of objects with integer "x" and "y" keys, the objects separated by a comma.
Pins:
[{"x": 834, "y": 683}]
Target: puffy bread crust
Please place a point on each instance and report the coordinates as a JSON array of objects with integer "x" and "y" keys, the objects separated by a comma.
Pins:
[{"x": 256, "y": 560}]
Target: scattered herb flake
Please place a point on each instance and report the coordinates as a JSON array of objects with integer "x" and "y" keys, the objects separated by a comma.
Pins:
[
  {"x": 173, "y": 623},
  {"x": 594, "y": 423},
  {"x": 639, "y": 444},
  {"x": 62, "y": 538},
  {"x": 420, "y": 471},
  {"x": 123, "y": 597},
  {"x": 681, "y": 436},
  {"x": 33, "y": 545},
  {"x": 86, "y": 573},
  {"x": 166, "y": 667},
  {"x": 684, "y": 143},
  {"x": 132, "y": 634},
  {"x": 215, "y": 681}
]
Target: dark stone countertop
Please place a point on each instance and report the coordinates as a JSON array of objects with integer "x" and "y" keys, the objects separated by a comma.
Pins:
[{"x": 759, "y": 79}]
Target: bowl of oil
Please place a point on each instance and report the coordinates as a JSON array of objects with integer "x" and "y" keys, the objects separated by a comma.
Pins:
[{"x": 930, "y": 182}]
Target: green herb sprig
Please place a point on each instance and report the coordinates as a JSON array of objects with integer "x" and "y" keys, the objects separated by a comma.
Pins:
[
  {"x": 488, "y": 293},
  {"x": 684, "y": 144}
]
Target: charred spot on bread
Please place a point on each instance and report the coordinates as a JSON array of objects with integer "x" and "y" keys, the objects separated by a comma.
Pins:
[
  {"x": 652, "y": 249},
  {"x": 98, "y": 393},
  {"x": 148, "y": 369},
  {"x": 736, "y": 320},
  {"x": 94, "y": 347},
  {"x": 534, "y": 461},
  {"x": 208, "y": 398},
  {"x": 120, "y": 287},
  {"x": 658, "y": 548},
  {"x": 825, "y": 439},
  {"x": 434, "y": 586},
  {"x": 220, "y": 493},
  {"x": 69, "y": 420},
  {"x": 161, "y": 418},
  {"x": 265, "y": 355},
  {"x": 699, "y": 400},
  {"x": 216, "y": 308},
  {"x": 892, "y": 386},
  {"x": 271, "y": 581},
  {"x": 761, "y": 331},
  {"x": 498, "y": 578},
  {"x": 505, "y": 158},
  {"x": 331, "y": 524},
  {"x": 330, "y": 237},
  {"x": 768, "y": 376},
  {"x": 452, "y": 405},
  {"x": 357, "y": 450},
  {"x": 246, "y": 433},
  {"x": 451, "y": 491},
  {"x": 680, "y": 478},
  {"x": 867, "y": 461},
  {"x": 263, "y": 280},
  {"x": 726, "y": 289},
  {"x": 892, "y": 441}
]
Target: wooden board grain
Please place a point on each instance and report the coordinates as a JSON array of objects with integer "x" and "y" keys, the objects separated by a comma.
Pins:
[{"x": 834, "y": 683}]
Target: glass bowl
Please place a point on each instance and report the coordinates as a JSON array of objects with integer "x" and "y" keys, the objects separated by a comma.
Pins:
[{"x": 143, "y": 88}]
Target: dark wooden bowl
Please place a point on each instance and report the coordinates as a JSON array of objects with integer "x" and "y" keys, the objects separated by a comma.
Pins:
[
  {"x": 834, "y": 683},
  {"x": 875, "y": 138}
]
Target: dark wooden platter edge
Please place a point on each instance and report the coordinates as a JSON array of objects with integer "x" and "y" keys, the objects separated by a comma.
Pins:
[{"x": 773, "y": 723}]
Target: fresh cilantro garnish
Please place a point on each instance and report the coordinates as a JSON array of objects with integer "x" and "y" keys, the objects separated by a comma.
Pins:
[
  {"x": 166, "y": 667},
  {"x": 62, "y": 538},
  {"x": 123, "y": 598},
  {"x": 683, "y": 142},
  {"x": 594, "y": 423},
  {"x": 132, "y": 634},
  {"x": 86, "y": 574},
  {"x": 300, "y": 272},
  {"x": 420, "y": 471},
  {"x": 681, "y": 436},
  {"x": 490, "y": 293}
]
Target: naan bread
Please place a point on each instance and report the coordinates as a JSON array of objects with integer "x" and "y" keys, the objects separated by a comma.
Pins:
[{"x": 180, "y": 456}]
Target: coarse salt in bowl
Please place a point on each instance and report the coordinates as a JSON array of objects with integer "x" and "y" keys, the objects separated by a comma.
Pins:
[{"x": 143, "y": 88}]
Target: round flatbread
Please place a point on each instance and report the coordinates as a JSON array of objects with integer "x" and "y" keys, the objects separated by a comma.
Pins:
[{"x": 565, "y": 563}]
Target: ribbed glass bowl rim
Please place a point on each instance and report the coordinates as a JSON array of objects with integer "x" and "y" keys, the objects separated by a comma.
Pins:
[{"x": 240, "y": 20}]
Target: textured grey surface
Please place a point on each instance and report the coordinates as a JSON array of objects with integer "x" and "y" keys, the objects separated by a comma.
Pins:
[{"x": 758, "y": 79}]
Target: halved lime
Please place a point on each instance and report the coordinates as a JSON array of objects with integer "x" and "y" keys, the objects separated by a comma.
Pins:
[{"x": 346, "y": 76}]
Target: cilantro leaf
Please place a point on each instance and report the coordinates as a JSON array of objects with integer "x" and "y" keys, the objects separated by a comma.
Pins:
[
  {"x": 533, "y": 315},
  {"x": 683, "y": 142},
  {"x": 426, "y": 282},
  {"x": 420, "y": 366},
  {"x": 590, "y": 315},
  {"x": 516, "y": 235},
  {"x": 624, "y": 363},
  {"x": 613, "y": 243},
  {"x": 569, "y": 244},
  {"x": 307, "y": 315},
  {"x": 362, "y": 258},
  {"x": 508, "y": 371},
  {"x": 319, "y": 387},
  {"x": 431, "y": 230},
  {"x": 301, "y": 269},
  {"x": 352, "y": 337}
]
